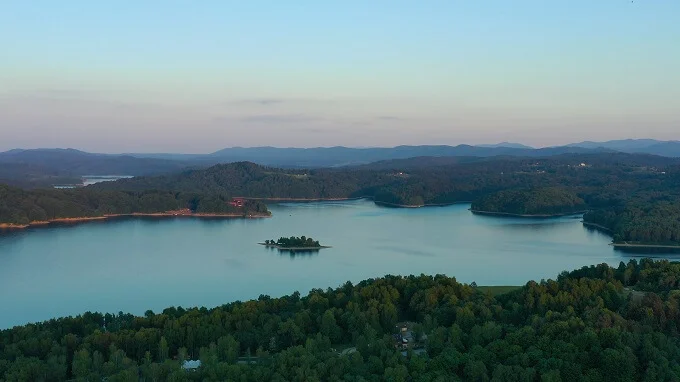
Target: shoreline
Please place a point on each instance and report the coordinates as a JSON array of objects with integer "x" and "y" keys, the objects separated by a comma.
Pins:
[
  {"x": 594, "y": 225},
  {"x": 419, "y": 205},
  {"x": 200, "y": 215},
  {"x": 304, "y": 200},
  {"x": 626, "y": 244},
  {"x": 311, "y": 200},
  {"x": 295, "y": 248},
  {"x": 658, "y": 246},
  {"x": 490, "y": 213}
]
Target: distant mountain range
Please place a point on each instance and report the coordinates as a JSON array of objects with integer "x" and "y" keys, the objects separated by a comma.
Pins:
[
  {"x": 643, "y": 146},
  {"x": 507, "y": 144},
  {"x": 71, "y": 162},
  {"x": 344, "y": 156},
  {"x": 46, "y": 167}
]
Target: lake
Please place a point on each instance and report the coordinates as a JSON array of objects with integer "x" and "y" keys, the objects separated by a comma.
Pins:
[
  {"x": 135, "y": 264},
  {"x": 88, "y": 180}
]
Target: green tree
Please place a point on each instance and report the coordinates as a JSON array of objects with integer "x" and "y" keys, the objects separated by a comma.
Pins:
[
  {"x": 163, "y": 349},
  {"x": 82, "y": 364}
]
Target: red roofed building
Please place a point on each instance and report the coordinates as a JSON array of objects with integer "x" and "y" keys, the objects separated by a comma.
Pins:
[{"x": 237, "y": 202}]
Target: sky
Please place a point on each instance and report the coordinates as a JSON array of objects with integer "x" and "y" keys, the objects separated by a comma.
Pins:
[{"x": 198, "y": 76}]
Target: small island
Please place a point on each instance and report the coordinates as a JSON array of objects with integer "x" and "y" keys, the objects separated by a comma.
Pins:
[{"x": 294, "y": 243}]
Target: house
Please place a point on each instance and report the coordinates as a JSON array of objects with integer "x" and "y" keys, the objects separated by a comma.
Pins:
[
  {"x": 237, "y": 202},
  {"x": 405, "y": 337},
  {"x": 191, "y": 365}
]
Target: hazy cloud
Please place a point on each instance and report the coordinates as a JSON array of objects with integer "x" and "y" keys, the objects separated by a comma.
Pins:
[
  {"x": 311, "y": 130},
  {"x": 280, "y": 118},
  {"x": 271, "y": 101},
  {"x": 261, "y": 101},
  {"x": 64, "y": 94},
  {"x": 64, "y": 98},
  {"x": 389, "y": 118}
]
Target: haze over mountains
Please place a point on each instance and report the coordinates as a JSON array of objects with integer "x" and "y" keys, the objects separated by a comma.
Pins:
[
  {"x": 39, "y": 167},
  {"x": 643, "y": 146},
  {"x": 507, "y": 144}
]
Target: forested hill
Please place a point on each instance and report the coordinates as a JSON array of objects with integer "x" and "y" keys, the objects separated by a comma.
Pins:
[
  {"x": 47, "y": 167},
  {"x": 255, "y": 181},
  {"x": 635, "y": 196},
  {"x": 75, "y": 162},
  {"x": 537, "y": 202},
  {"x": 21, "y": 207},
  {"x": 593, "y": 324},
  {"x": 344, "y": 156},
  {"x": 433, "y": 180}
]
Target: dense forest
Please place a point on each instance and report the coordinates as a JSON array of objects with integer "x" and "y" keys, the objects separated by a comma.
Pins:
[
  {"x": 33, "y": 176},
  {"x": 294, "y": 242},
  {"x": 645, "y": 219},
  {"x": 410, "y": 182},
  {"x": 19, "y": 206},
  {"x": 594, "y": 324},
  {"x": 636, "y": 197},
  {"x": 543, "y": 201}
]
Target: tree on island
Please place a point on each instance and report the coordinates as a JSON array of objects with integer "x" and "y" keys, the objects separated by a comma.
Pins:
[{"x": 294, "y": 242}]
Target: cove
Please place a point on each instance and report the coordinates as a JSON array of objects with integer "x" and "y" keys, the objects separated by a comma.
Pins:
[{"x": 135, "y": 264}]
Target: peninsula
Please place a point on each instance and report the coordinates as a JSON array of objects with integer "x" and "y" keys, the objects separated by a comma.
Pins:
[
  {"x": 530, "y": 203},
  {"x": 164, "y": 214},
  {"x": 23, "y": 208},
  {"x": 294, "y": 243}
]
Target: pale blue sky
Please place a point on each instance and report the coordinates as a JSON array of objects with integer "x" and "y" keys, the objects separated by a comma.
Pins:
[{"x": 196, "y": 76}]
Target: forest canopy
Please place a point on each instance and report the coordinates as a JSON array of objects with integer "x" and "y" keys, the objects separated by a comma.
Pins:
[
  {"x": 294, "y": 242},
  {"x": 598, "y": 323},
  {"x": 19, "y": 206},
  {"x": 635, "y": 197},
  {"x": 541, "y": 201}
]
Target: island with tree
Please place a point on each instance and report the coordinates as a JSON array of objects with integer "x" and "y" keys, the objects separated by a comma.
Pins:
[{"x": 294, "y": 243}]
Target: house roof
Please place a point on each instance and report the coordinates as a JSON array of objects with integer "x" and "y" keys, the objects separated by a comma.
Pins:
[{"x": 191, "y": 364}]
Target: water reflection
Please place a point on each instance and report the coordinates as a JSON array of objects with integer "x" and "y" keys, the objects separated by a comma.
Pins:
[
  {"x": 293, "y": 253},
  {"x": 218, "y": 261},
  {"x": 671, "y": 253},
  {"x": 404, "y": 250},
  {"x": 11, "y": 240},
  {"x": 545, "y": 225}
]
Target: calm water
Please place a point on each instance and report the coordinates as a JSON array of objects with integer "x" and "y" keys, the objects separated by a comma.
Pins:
[
  {"x": 138, "y": 264},
  {"x": 88, "y": 180}
]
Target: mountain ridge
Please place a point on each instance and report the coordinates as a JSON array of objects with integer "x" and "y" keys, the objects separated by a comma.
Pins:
[{"x": 73, "y": 162}]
